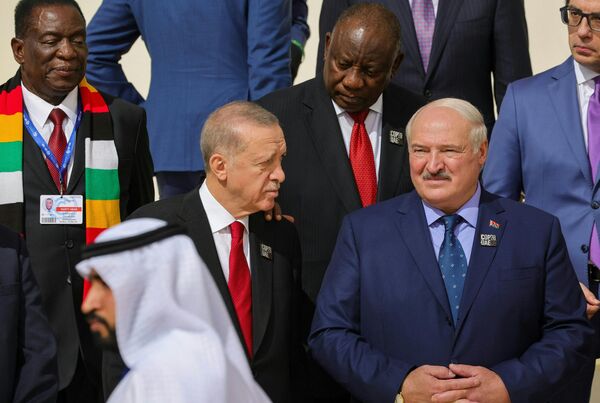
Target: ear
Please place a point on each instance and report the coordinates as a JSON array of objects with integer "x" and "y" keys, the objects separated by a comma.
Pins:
[
  {"x": 18, "y": 50},
  {"x": 327, "y": 43},
  {"x": 218, "y": 166},
  {"x": 483, "y": 149},
  {"x": 396, "y": 64}
]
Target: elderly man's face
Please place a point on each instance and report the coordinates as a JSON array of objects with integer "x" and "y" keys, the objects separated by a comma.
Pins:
[
  {"x": 99, "y": 310},
  {"x": 254, "y": 175},
  {"x": 360, "y": 61},
  {"x": 443, "y": 166},
  {"x": 53, "y": 52}
]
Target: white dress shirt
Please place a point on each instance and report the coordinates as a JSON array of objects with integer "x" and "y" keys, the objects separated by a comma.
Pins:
[
  {"x": 435, "y": 5},
  {"x": 219, "y": 220},
  {"x": 373, "y": 124},
  {"x": 585, "y": 89},
  {"x": 39, "y": 112}
]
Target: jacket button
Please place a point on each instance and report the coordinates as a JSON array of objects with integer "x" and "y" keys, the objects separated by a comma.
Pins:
[
  {"x": 595, "y": 205},
  {"x": 585, "y": 248},
  {"x": 427, "y": 93},
  {"x": 69, "y": 243}
]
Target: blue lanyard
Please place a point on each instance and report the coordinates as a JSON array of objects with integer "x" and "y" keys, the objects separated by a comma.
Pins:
[{"x": 43, "y": 145}]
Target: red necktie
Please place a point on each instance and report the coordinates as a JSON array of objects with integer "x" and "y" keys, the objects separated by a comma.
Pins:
[
  {"x": 57, "y": 144},
  {"x": 362, "y": 161},
  {"x": 240, "y": 286}
]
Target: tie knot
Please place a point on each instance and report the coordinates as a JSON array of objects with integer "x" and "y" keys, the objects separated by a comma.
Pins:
[
  {"x": 359, "y": 117},
  {"x": 57, "y": 116},
  {"x": 450, "y": 221},
  {"x": 237, "y": 230}
]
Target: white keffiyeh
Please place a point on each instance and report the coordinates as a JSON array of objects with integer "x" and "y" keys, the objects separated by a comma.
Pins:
[{"x": 173, "y": 329}]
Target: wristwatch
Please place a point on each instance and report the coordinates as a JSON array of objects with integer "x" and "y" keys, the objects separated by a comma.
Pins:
[{"x": 399, "y": 398}]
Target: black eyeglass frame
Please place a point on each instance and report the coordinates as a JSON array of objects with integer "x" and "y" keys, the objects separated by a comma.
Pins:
[{"x": 565, "y": 17}]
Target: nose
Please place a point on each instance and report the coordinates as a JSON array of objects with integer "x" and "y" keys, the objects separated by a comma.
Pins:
[
  {"x": 66, "y": 49},
  {"x": 583, "y": 29},
  {"x": 90, "y": 302},
  {"x": 435, "y": 163},
  {"x": 353, "y": 79},
  {"x": 278, "y": 174}
]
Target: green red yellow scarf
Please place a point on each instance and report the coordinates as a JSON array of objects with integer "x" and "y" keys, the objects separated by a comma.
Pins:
[{"x": 102, "y": 192}]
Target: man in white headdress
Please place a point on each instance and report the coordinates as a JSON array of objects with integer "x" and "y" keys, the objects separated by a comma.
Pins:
[{"x": 153, "y": 297}]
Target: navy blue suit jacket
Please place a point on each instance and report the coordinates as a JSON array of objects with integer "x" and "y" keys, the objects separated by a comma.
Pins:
[
  {"x": 383, "y": 309},
  {"x": 28, "y": 371},
  {"x": 204, "y": 54}
]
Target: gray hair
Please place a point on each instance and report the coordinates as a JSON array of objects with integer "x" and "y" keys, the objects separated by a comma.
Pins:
[
  {"x": 223, "y": 131},
  {"x": 470, "y": 113}
]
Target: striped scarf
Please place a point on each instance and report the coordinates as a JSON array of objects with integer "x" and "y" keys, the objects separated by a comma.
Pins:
[{"x": 102, "y": 190}]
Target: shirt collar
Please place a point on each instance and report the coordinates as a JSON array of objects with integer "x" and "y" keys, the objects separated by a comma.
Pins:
[
  {"x": 468, "y": 212},
  {"x": 218, "y": 217},
  {"x": 376, "y": 107},
  {"x": 583, "y": 74},
  {"x": 39, "y": 110}
]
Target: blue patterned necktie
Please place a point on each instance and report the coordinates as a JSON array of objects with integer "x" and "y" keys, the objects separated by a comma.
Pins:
[{"x": 453, "y": 263}]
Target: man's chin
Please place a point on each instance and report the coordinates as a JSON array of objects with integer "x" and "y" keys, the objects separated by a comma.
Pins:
[{"x": 106, "y": 342}]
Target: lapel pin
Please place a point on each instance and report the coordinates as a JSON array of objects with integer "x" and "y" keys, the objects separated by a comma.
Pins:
[
  {"x": 494, "y": 224},
  {"x": 396, "y": 137},
  {"x": 266, "y": 251},
  {"x": 487, "y": 240}
]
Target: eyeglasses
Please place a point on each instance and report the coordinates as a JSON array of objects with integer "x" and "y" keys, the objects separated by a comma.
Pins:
[{"x": 573, "y": 17}]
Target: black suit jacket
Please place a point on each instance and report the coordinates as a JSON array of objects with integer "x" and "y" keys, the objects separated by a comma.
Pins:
[
  {"x": 27, "y": 347},
  {"x": 473, "y": 39},
  {"x": 319, "y": 189},
  {"x": 55, "y": 249},
  {"x": 276, "y": 295}
]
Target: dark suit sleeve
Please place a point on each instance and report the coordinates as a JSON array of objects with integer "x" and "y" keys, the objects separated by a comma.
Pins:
[
  {"x": 141, "y": 187},
  {"x": 511, "y": 46},
  {"x": 330, "y": 11},
  {"x": 269, "y": 38},
  {"x": 502, "y": 174},
  {"x": 566, "y": 334},
  {"x": 335, "y": 340},
  {"x": 37, "y": 373},
  {"x": 110, "y": 34}
]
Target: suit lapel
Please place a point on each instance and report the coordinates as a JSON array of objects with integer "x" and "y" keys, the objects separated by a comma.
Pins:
[
  {"x": 393, "y": 151},
  {"x": 192, "y": 213},
  {"x": 37, "y": 164},
  {"x": 262, "y": 281},
  {"x": 563, "y": 95},
  {"x": 85, "y": 128},
  {"x": 329, "y": 144},
  {"x": 490, "y": 221},
  {"x": 410, "y": 44},
  {"x": 412, "y": 224},
  {"x": 444, "y": 21}
]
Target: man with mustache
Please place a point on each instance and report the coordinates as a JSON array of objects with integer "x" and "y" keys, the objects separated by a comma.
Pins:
[
  {"x": 62, "y": 139},
  {"x": 546, "y": 145},
  {"x": 152, "y": 295},
  {"x": 255, "y": 263},
  {"x": 450, "y": 293},
  {"x": 345, "y": 131}
]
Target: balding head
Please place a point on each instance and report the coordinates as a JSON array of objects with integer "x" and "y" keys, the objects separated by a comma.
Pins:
[{"x": 361, "y": 56}]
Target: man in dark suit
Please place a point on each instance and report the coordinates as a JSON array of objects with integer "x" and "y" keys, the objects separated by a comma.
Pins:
[
  {"x": 468, "y": 42},
  {"x": 242, "y": 146},
  {"x": 324, "y": 164},
  {"x": 28, "y": 352},
  {"x": 76, "y": 162},
  {"x": 450, "y": 292}
]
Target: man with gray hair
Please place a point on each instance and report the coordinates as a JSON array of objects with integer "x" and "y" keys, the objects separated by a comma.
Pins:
[
  {"x": 255, "y": 263},
  {"x": 449, "y": 292}
]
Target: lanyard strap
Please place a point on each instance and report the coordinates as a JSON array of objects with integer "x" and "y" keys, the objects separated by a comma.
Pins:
[{"x": 43, "y": 145}]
